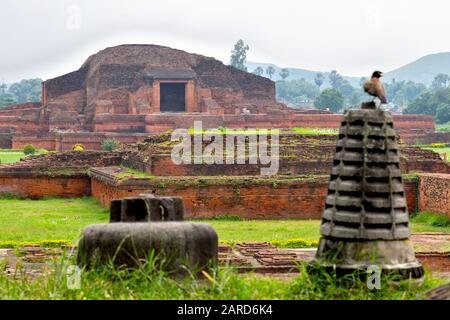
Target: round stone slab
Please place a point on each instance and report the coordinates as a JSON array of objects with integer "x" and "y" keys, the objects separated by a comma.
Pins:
[
  {"x": 392, "y": 256},
  {"x": 174, "y": 244}
]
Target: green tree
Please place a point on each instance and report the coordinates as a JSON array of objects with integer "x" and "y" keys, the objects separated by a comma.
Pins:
[
  {"x": 27, "y": 90},
  {"x": 284, "y": 73},
  {"x": 319, "y": 79},
  {"x": 294, "y": 91},
  {"x": 270, "y": 71},
  {"x": 335, "y": 79},
  {"x": 338, "y": 82},
  {"x": 443, "y": 113},
  {"x": 7, "y": 100},
  {"x": 3, "y": 88},
  {"x": 356, "y": 97},
  {"x": 433, "y": 103},
  {"x": 422, "y": 105},
  {"x": 239, "y": 55},
  {"x": 258, "y": 71},
  {"x": 440, "y": 80},
  {"x": 331, "y": 99}
]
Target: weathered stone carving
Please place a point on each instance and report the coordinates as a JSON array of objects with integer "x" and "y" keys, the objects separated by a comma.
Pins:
[
  {"x": 147, "y": 208},
  {"x": 365, "y": 220},
  {"x": 175, "y": 244},
  {"x": 130, "y": 240}
]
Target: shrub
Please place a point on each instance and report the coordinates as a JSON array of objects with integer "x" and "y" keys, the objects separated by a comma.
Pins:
[
  {"x": 110, "y": 144},
  {"x": 227, "y": 218},
  {"x": 29, "y": 149},
  {"x": 294, "y": 243},
  {"x": 78, "y": 147},
  {"x": 222, "y": 129}
]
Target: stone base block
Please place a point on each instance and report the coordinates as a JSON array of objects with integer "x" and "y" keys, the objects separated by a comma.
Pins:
[
  {"x": 391, "y": 256},
  {"x": 175, "y": 244}
]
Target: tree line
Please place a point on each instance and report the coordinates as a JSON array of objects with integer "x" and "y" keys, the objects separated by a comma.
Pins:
[
  {"x": 408, "y": 96},
  {"x": 27, "y": 90}
]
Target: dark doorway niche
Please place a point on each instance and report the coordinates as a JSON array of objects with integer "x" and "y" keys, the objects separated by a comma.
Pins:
[{"x": 172, "y": 97}]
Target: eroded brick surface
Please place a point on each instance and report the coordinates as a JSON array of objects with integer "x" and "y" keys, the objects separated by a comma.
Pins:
[{"x": 434, "y": 193}]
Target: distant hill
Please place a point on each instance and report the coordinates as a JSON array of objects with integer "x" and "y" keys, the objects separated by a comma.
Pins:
[{"x": 422, "y": 70}]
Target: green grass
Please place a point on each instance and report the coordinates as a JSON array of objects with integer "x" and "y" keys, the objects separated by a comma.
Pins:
[
  {"x": 429, "y": 220},
  {"x": 315, "y": 131},
  {"x": 148, "y": 282},
  {"x": 13, "y": 155},
  {"x": 54, "y": 219},
  {"x": 266, "y": 230},
  {"x": 58, "y": 219},
  {"x": 48, "y": 219}
]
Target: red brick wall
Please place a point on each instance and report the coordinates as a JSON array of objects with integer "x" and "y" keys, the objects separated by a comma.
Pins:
[
  {"x": 44, "y": 186},
  {"x": 65, "y": 141},
  {"x": 434, "y": 193},
  {"x": 45, "y": 141},
  {"x": 301, "y": 200},
  {"x": 159, "y": 122}
]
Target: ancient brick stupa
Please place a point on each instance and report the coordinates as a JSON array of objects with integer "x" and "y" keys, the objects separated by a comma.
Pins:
[{"x": 365, "y": 220}]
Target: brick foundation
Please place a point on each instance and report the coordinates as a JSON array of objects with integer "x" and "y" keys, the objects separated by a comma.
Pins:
[
  {"x": 251, "y": 198},
  {"x": 434, "y": 193},
  {"x": 44, "y": 186}
]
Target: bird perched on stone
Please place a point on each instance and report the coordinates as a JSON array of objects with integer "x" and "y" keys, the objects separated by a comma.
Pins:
[{"x": 375, "y": 88}]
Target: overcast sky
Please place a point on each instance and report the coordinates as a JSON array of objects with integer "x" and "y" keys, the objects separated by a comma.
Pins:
[{"x": 47, "y": 38}]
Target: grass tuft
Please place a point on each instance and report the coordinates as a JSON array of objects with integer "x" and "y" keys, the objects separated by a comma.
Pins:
[
  {"x": 432, "y": 219},
  {"x": 149, "y": 282}
]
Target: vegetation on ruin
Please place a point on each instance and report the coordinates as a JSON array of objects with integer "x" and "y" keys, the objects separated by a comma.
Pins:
[
  {"x": 127, "y": 173},
  {"x": 235, "y": 181},
  {"x": 149, "y": 282},
  {"x": 64, "y": 172},
  {"x": 441, "y": 148},
  {"x": 78, "y": 147},
  {"x": 224, "y": 130},
  {"x": 315, "y": 131},
  {"x": 29, "y": 149},
  {"x": 110, "y": 144}
]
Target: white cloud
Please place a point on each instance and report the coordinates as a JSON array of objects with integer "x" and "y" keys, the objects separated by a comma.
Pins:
[{"x": 351, "y": 36}]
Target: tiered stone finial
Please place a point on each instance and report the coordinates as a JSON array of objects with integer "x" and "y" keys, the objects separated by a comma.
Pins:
[{"x": 365, "y": 220}]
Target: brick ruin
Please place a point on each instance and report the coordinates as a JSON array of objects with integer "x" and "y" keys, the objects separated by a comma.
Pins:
[
  {"x": 297, "y": 191},
  {"x": 130, "y": 91}
]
